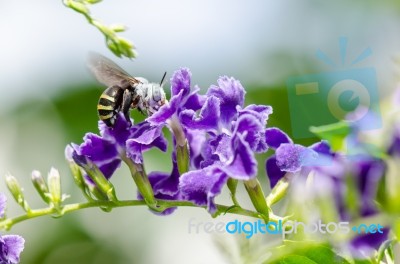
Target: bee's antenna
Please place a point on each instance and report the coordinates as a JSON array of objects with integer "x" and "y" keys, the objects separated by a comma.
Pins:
[{"x": 162, "y": 79}]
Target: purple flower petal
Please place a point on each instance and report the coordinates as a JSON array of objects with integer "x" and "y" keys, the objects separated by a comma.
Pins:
[
  {"x": 164, "y": 183},
  {"x": 231, "y": 94},
  {"x": 166, "y": 111},
  {"x": 325, "y": 154},
  {"x": 11, "y": 247},
  {"x": 261, "y": 112},
  {"x": 291, "y": 157},
  {"x": 273, "y": 172},
  {"x": 134, "y": 151},
  {"x": 165, "y": 186},
  {"x": 143, "y": 138},
  {"x": 201, "y": 186},
  {"x": 253, "y": 132},
  {"x": 243, "y": 165},
  {"x": 69, "y": 150},
  {"x": 207, "y": 119},
  {"x": 365, "y": 245},
  {"x": 144, "y": 133},
  {"x": 368, "y": 173},
  {"x": 119, "y": 133},
  {"x": 223, "y": 147},
  {"x": 180, "y": 81},
  {"x": 194, "y": 101},
  {"x": 3, "y": 204},
  {"x": 322, "y": 147},
  {"x": 110, "y": 167},
  {"x": 196, "y": 139},
  {"x": 97, "y": 149},
  {"x": 208, "y": 152},
  {"x": 275, "y": 137}
]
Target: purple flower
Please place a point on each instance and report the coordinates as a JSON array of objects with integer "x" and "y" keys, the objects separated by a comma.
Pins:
[
  {"x": 363, "y": 171},
  {"x": 201, "y": 186},
  {"x": 291, "y": 157},
  {"x": 165, "y": 185},
  {"x": 231, "y": 94},
  {"x": 365, "y": 174},
  {"x": 364, "y": 245},
  {"x": 223, "y": 140},
  {"x": 11, "y": 247},
  {"x": 182, "y": 98},
  {"x": 107, "y": 150}
]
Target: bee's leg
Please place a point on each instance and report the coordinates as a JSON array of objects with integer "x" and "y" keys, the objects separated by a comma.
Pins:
[{"x": 126, "y": 102}]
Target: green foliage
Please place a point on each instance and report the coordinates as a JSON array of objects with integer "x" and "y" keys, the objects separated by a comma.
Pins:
[
  {"x": 118, "y": 45},
  {"x": 386, "y": 249},
  {"x": 303, "y": 252},
  {"x": 335, "y": 134},
  {"x": 276, "y": 97}
]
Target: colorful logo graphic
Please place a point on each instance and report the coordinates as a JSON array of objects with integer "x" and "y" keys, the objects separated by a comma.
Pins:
[{"x": 325, "y": 98}]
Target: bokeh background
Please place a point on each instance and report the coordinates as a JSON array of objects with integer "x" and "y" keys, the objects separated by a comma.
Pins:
[{"x": 48, "y": 99}]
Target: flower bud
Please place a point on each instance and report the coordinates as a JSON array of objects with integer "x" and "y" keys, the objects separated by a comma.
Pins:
[
  {"x": 54, "y": 182},
  {"x": 40, "y": 185},
  {"x": 102, "y": 184},
  {"x": 16, "y": 191}
]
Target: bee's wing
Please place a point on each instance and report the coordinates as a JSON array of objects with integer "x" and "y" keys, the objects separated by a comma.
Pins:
[{"x": 107, "y": 72}]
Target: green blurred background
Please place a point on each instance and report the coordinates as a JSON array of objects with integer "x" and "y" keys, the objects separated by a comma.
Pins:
[{"x": 48, "y": 99}]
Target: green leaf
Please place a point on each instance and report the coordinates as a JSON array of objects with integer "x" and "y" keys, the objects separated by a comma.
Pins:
[
  {"x": 304, "y": 252},
  {"x": 386, "y": 247},
  {"x": 335, "y": 134},
  {"x": 297, "y": 259}
]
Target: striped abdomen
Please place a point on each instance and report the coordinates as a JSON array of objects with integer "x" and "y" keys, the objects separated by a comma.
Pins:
[{"x": 109, "y": 104}]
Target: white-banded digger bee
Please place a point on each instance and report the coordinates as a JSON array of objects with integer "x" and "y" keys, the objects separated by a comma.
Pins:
[{"x": 124, "y": 92}]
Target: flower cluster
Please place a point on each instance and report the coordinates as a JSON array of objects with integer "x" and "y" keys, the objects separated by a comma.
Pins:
[
  {"x": 215, "y": 141},
  {"x": 338, "y": 175}
]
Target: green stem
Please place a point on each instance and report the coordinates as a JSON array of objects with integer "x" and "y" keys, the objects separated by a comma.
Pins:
[
  {"x": 142, "y": 182},
  {"x": 232, "y": 185},
  {"x": 164, "y": 204},
  {"x": 257, "y": 197},
  {"x": 102, "y": 184},
  {"x": 182, "y": 148},
  {"x": 182, "y": 158},
  {"x": 278, "y": 192}
]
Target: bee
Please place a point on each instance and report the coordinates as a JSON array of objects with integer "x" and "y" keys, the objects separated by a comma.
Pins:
[{"x": 124, "y": 92}]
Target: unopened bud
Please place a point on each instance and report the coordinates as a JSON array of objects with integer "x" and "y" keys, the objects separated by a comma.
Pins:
[
  {"x": 16, "y": 191},
  {"x": 54, "y": 183},
  {"x": 40, "y": 185},
  {"x": 98, "y": 178}
]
